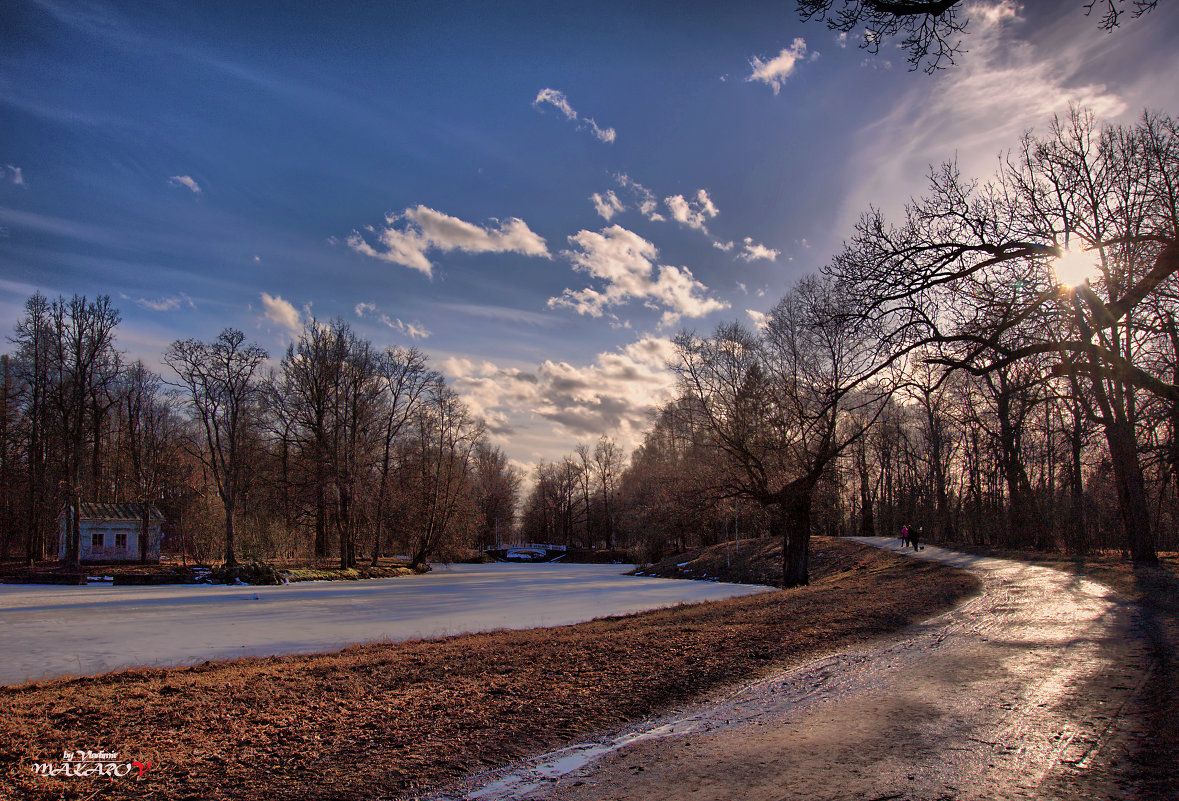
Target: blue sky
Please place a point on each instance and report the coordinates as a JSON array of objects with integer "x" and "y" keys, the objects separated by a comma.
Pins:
[{"x": 539, "y": 195}]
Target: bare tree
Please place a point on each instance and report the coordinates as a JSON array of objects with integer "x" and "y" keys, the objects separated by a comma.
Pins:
[
  {"x": 970, "y": 273},
  {"x": 218, "y": 379},
  {"x": 149, "y": 437},
  {"x": 82, "y": 357},
  {"x": 497, "y": 484},
  {"x": 776, "y": 406},
  {"x": 33, "y": 336},
  {"x": 404, "y": 378},
  {"x": 607, "y": 464},
  {"x": 930, "y": 30},
  {"x": 443, "y": 448}
]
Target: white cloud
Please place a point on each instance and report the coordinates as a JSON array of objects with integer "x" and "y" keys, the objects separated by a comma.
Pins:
[
  {"x": 693, "y": 213},
  {"x": 774, "y": 72},
  {"x": 362, "y": 309},
  {"x": 625, "y": 264},
  {"x": 606, "y": 135},
  {"x": 614, "y": 395},
  {"x": 759, "y": 319},
  {"x": 751, "y": 251},
  {"x": 607, "y": 205},
  {"x": 15, "y": 174},
  {"x": 185, "y": 181},
  {"x": 503, "y": 397},
  {"x": 280, "y": 311},
  {"x": 557, "y": 99},
  {"x": 725, "y": 246},
  {"x": 424, "y": 229},
  {"x": 411, "y": 330}
]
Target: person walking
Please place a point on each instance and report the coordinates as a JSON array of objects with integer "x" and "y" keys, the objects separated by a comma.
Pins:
[
  {"x": 905, "y": 535},
  {"x": 914, "y": 536}
]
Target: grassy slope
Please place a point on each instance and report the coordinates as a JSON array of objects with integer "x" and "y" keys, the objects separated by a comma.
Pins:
[{"x": 386, "y": 720}]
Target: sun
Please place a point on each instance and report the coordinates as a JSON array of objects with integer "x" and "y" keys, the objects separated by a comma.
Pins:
[{"x": 1075, "y": 265}]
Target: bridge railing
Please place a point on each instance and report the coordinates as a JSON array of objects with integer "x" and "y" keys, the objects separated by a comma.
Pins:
[{"x": 532, "y": 545}]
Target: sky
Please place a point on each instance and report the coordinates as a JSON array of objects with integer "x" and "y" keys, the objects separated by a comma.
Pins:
[{"x": 538, "y": 195}]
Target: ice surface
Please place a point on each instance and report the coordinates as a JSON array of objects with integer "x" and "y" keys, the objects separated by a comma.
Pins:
[{"x": 50, "y": 631}]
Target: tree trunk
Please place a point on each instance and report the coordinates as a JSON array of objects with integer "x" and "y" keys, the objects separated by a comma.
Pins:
[
  {"x": 1131, "y": 488},
  {"x": 794, "y": 519},
  {"x": 1077, "y": 533},
  {"x": 321, "y": 536},
  {"x": 143, "y": 525},
  {"x": 73, "y": 532},
  {"x": 230, "y": 558},
  {"x": 347, "y": 542},
  {"x": 867, "y": 518}
]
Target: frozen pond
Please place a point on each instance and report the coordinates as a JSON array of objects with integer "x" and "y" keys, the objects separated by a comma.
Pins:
[{"x": 48, "y": 631}]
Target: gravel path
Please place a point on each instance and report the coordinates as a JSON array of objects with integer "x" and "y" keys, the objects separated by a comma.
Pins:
[{"x": 1028, "y": 690}]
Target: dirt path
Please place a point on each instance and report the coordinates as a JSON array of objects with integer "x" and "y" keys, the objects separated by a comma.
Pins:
[{"x": 1029, "y": 690}]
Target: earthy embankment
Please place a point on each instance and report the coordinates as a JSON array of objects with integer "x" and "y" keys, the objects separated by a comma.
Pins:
[
  {"x": 171, "y": 572},
  {"x": 383, "y": 721}
]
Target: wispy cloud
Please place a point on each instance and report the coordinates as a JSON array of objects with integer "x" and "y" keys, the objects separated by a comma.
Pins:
[
  {"x": 282, "y": 312},
  {"x": 774, "y": 72},
  {"x": 164, "y": 304},
  {"x": 557, "y": 100},
  {"x": 645, "y": 200},
  {"x": 361, "y": 309},
  {"x": 12, "y": 174},
  {"x": 408, "y": 236},
  {"x": 502, "y": 314},
  {"x": 625, "y": 264},
  {"x": 185, "y": 181},
  {"x": 1014, "y": 79},
  {"x": 759, "y": 319},
  {"x": 411, "y": 330}
]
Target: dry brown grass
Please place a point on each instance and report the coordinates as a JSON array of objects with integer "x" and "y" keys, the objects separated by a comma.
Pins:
[{"x": 381, "y": 721}]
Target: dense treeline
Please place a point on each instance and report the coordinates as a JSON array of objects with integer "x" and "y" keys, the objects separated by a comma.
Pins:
[
  {"x": 341, "y": 451},
  {"x": 943, "y": 371}
]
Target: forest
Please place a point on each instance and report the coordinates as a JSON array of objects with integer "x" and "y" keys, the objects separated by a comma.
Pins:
[
  {"x": 340, "y": 451},
  {"x": 949, "y": 370}
]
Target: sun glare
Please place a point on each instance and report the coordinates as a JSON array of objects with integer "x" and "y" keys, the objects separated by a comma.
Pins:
[{"x": 1075, "y": 266}]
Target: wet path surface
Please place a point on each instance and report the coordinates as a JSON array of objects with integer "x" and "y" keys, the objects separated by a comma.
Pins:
[{"x": 1025, "y": 691}]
